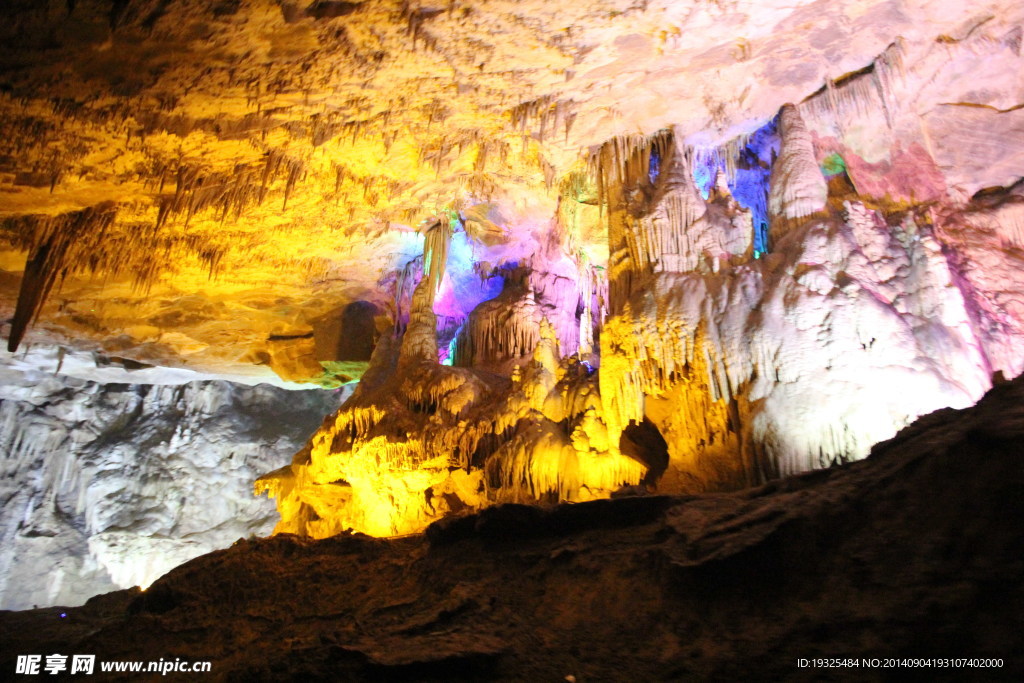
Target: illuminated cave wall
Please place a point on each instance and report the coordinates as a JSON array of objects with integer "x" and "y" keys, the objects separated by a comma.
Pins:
[
  {"x": 668, "y": 246},
  {"x": 772, "y": 305},
  {"x": 109, "y": 485}
]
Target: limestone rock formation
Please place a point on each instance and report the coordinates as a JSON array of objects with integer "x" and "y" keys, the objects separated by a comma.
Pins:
[
  {"x": 774, "y": 324},
  {"x": 109, "y": 485},
  {"x": 565, "y": 250},
  {"x": 798, "y": 188},
  {"x": 419, "y": 440}
]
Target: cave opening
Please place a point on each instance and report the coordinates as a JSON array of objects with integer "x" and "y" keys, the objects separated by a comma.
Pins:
[{"x": 645, "y": 443}]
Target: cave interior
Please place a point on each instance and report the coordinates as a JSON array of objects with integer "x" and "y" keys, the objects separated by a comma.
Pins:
[{"x": 459, "y": 327}]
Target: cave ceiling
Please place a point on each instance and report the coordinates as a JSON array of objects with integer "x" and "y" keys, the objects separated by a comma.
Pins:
[{"x": 229, "y": 175}]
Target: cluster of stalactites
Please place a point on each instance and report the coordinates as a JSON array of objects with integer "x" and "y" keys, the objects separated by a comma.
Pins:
[
  {"x": 499, "y": 329},
  {"x": 641, "y": 359},
  {"x": 625, "y": 162},
  {"x": 659, "y": 239},
  {"x": 662, "y": 224},
  {"x": 229, "y": 194},
  {"x": 652, "y": 189},
  {"x": 551, "y": 442},
  {"x": 56, "y": 246},
  {"x": 97, "y": 240},
  {"x": 622, "y": 168},
  {"x": 860, "y": 94},
  {"x": 569, "y": 292},
  {"x": 543, "y": 116}
]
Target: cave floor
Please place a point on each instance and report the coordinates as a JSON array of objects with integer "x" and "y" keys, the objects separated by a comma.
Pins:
[{"x": 912, "y": 553}]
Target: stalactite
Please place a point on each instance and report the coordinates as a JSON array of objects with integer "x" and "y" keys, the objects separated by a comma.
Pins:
[
  {"x": 625, "y": 162},
  {"x": 56, "y": 246},
  {"x": 860, "y": 93},
  {"x": 403, "y": 279},
  {"x": 437, "y": 239},
  {"x": 498, "y": 330},
  {"x": 797, "y": 186},
  {"x": 295, "y": 171}
]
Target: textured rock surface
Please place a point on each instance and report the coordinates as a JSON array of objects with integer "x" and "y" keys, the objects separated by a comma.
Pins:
[
  {"x": 111, "y": 485},
  {"x": 914, "y": 552},
  {"x": 733, "y": 287},
  {"x": 792, "y": 360}
]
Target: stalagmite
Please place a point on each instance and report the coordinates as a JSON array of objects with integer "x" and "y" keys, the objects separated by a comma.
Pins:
[
  {"x": 420, "y": 340},
  {"x": 797, "y": 187}
]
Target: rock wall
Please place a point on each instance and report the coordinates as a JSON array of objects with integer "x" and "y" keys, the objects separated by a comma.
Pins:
[
  {"x": 802, "y": 359},
  {"x": 108, "y": 486}
]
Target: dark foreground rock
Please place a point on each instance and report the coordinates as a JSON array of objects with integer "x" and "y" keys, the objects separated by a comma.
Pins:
[{"x": 915, "y": 552}]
